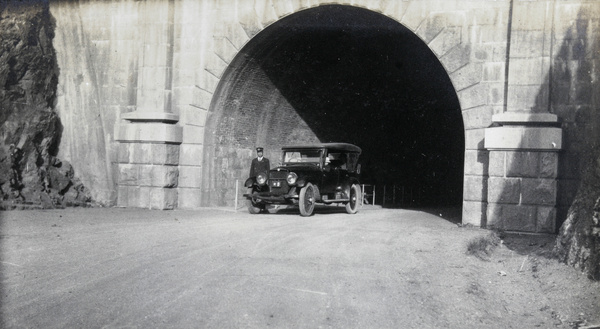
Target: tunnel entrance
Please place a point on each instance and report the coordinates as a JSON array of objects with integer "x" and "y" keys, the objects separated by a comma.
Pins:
[{"x": 339, "y": 74}]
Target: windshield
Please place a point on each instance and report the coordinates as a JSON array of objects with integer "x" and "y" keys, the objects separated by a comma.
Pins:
[{"x": 302, "y": 156}]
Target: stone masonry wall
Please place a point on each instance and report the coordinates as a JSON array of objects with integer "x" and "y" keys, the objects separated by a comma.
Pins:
[
  {"x": 522, "y": 191},
  {"x": 553, "y": 55}
]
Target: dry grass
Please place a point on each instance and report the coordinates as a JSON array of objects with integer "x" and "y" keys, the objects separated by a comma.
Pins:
[{"x": 483, "y": 246}]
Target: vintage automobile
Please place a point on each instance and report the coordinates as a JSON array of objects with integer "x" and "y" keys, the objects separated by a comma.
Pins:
[{"x": 324, "y": 173}]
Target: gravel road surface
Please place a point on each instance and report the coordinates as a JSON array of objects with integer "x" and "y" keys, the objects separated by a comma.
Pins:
[{"x": 211, "y": 268}]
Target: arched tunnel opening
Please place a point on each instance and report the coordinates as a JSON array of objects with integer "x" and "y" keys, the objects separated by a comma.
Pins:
[{"x": 340, "y": 74}]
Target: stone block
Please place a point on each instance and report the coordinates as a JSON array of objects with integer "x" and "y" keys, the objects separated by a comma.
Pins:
[
  {"x": 224, "y": 49},
  {"x": 191, "y": 154},
  {"x": 133, "y": 196},
  {"x": 148, "y": 132},
  {"x": 474, "y": 212},
  {"x": 145, "y": 175},
  {"x": 523, "y": 138},
  {"x": 123, "y": 152},
  {"x": 548, "y": 164},
  {"x": 128, "y": 174},
  {"x": 193, "y": 134},
  {"x": 122, "y": 196},
  {"x": 528, "y": 97},
  {"x": 474, "y": 139},
  {"x": 140, "y": 153},
  {"x": 215, "y": 65},
  {"x": 496, "y": 97},
  {"x": 431, "y": 27},
  {"x": 467, "y": 76},
  {"x": 457, "y": 57},
  {"x": 526, "y": 72},
  {"x": 193, "y": 116},
  {"x": 473, "y": 96},
  {"x": 476, "y": 162},
  {"x": 188, "y": 198},
  {"x": 546, "y": 220},
  {"x": 497, "y": 167},
  {"x": 201, "y": 98},
  {"x": 524, "y": 118},
  {"x": 530, "y": 15},
  {"x": 163, "y": 198},
  {"x": 165, "y": 176},
  {"x": 144, "y": 197},
  {"x": 190, "y": 176},
  {"x": 519, "y": 218},
  {"x": 538, "y": 191},
  {"x": 182, "y": 76},
  {"x": 208, "y": 81},
  {"x": 475, "y": 188},
  {"x": 446, "y": 40},
  {"x": 504, "y": 190},
  {"x": 478, "y": 117},
  {"x": 522, "y": 164},
  {"x": 493, "y": 71},
  {"x": 494, "y": 216},
  {"x": 160, "y": 132},
  {"x": 526, "y": 44},
  {"x": 165, "y": 154}
]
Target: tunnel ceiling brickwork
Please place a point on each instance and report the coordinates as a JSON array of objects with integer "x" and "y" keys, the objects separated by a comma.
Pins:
[{"x": 486, "y": 48}]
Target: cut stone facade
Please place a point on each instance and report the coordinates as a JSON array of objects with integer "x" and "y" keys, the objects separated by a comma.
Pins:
[{"x": 120, "y": 57}]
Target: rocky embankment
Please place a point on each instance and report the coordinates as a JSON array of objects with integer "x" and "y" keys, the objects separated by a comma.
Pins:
[{"x": 30, "y": 130}]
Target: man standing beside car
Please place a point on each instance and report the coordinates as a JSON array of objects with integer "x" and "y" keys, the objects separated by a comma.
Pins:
[{"x": 259, "y": 164}]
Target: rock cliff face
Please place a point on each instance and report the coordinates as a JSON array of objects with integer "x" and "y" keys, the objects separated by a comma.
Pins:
[
  {"x": 578, "y": 243},
  {"x": 30, "y": 129}
]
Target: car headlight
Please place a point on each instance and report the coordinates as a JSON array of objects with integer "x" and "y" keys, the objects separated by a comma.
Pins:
[
  {"x": 291, "y": 178},
  {"x": 261, "y": 179}
]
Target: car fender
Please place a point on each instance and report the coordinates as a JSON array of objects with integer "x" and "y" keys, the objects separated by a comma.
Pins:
[
  {"x": 350, "y": 182},
  {"x": 250, "y": 182},
  {"x": 301, "y": 182}
]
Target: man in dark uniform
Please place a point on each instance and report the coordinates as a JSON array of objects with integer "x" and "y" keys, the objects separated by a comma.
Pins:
[{"x": 259, "y": 164}]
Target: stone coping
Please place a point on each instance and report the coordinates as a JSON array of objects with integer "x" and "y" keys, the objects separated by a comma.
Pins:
[
  {"x": 152, "y": 116},
  {"x": 525, "y": 118},
  {"x": 523, "y": 138}
]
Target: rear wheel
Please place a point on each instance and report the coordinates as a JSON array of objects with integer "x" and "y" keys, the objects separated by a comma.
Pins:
[
  {"x": 355, "y": 197},
  {"x": 253, "y": 207},
  {"x": 307, "y": 200}
]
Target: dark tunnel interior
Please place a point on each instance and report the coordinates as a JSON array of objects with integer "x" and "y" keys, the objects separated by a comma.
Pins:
[{"x": 345, "y": 74}]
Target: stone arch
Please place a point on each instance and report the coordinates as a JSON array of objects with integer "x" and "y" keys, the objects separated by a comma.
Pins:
[{"x": 446, "y": 33}]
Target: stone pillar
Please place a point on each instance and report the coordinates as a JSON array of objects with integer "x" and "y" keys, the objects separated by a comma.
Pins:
[
  {"x": 148, "y": 159},
  {"x": 149, "y": 137},
  {"x": 523, "y": 164}
]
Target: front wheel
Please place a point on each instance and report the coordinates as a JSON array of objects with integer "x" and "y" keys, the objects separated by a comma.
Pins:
[
  {"x": 355, "y": 197},
  {"x": 253, "y": 207},
  {"x": 307, "y": 200}
]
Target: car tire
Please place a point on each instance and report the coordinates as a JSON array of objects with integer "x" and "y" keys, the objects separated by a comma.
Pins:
[
  {"x": 355, "y": 197},
  {"x": 307, "y": 200},
  {"x": 253, "y": 207}
]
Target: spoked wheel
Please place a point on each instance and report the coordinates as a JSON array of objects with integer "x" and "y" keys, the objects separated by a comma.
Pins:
[
  {"x": 355, "y": 197},
  {"x": 253, "y": 207},
  {"x": 307, "y": 200}
]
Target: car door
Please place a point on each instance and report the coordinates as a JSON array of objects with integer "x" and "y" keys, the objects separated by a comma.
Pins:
[{"x": 331, "y": 173}]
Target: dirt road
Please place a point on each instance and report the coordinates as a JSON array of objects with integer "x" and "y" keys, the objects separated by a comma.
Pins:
[{"x": 380, "y": 268}]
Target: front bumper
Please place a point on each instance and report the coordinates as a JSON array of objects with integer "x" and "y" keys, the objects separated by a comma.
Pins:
[{"x": 273, "y": 198}]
